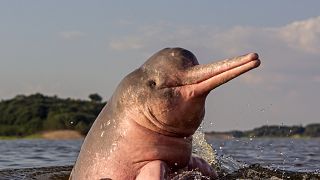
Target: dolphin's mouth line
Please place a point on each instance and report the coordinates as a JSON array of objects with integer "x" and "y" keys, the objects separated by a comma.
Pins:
[{"x": 255, "y": 61}]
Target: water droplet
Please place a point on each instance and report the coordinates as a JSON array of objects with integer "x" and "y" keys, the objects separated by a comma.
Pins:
[
  {"x": 220, "y": 147},
  {"x": 108, "y": 123},
  {"x": 102, "y": 133},
  {"x": 176, "y": 172},
  {"x": 176, "y": 164},
  {"x": 71, "y": 122}
]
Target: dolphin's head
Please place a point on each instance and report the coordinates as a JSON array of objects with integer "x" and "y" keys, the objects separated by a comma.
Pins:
[{"x": 167, "y": 93}]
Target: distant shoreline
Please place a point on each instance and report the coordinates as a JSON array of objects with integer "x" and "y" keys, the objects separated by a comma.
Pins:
[
  {"x": 72, "y": 135},
  {"x": 226, "y": 136},
  {"x": 50, "y": 135},
  {"x": 30, "y": 116},
  {"x": 273, "y": 131}
]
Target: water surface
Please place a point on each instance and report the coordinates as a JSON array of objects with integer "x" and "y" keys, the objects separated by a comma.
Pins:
[
  {"x": 298, "y": 155},
  {"x": 15, "y": 154},
  {"x": 301, "y": 155}
]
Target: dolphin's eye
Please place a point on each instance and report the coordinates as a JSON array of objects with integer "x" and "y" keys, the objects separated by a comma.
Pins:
[{"x": 151, "y": 83}]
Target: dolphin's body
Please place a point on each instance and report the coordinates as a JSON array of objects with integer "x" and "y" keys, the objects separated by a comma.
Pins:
[{"x": 145, "y": 130}]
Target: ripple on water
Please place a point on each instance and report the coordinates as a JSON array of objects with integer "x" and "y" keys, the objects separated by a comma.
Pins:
[{"x": 38, "y": 153}]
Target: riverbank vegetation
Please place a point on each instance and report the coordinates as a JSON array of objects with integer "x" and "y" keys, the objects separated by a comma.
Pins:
[
  {"x": 311, "y": 130},
  {"x": 27, "y": 115}
]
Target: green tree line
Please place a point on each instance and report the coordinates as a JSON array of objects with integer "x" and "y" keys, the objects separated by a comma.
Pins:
[
  {"x": 311, "y": 130},
  {"x": 26, "y": 115}
]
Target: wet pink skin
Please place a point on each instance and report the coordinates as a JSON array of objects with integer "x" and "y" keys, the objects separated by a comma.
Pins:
[{"x": 145, "y": 130}]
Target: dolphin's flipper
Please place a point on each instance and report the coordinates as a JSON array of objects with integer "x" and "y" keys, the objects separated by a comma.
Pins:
[
  {"x": 154, "y": 170},
  {"x": 199, "y": 164}
]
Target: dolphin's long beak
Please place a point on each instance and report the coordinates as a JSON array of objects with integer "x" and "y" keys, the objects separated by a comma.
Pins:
[{"x": 204, "y": 78}]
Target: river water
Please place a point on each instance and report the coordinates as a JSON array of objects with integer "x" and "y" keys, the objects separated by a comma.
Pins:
[
  {"x": 302, "y": 155},
  {"x": 299, "y": 155}
]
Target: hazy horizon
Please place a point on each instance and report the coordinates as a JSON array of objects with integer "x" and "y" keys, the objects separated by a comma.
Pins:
[{"x": 75, "y": 48}]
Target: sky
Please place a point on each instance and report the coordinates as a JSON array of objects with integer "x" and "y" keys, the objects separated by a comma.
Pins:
[{"x": 75, "y": 48}]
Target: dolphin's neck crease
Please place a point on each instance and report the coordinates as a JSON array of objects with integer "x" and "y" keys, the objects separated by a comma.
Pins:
[{"x": 152, "y": 141}]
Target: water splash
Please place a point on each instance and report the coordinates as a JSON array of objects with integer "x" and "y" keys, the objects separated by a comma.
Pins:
[
  {"x": 201, "y": 148},
  {"x": 222, "y": 164}
]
